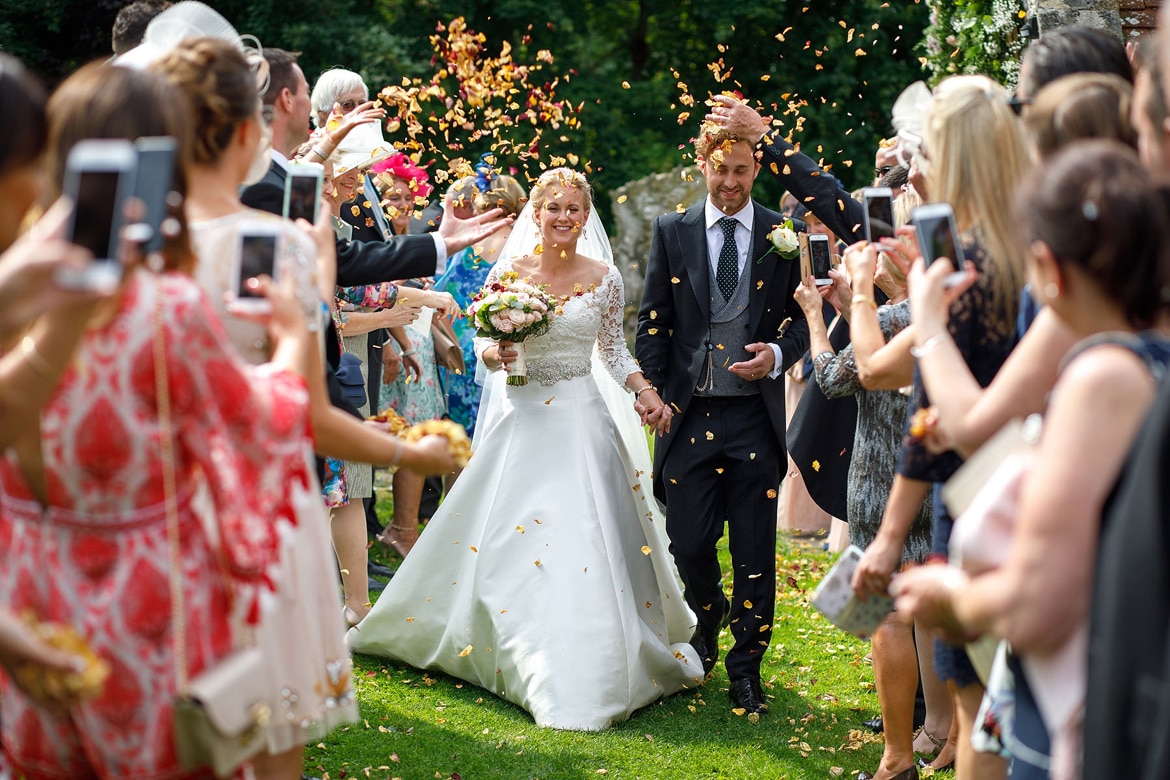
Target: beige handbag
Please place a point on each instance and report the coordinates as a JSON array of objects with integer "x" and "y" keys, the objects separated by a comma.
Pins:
[
  {"x": 221, "y": 715},
  {"x": 448, "y": 352}
]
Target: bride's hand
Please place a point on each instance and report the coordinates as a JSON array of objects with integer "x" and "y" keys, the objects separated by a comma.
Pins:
[
  {"x": 505, "y": 354},
  {"x": 654, "y": 412}
]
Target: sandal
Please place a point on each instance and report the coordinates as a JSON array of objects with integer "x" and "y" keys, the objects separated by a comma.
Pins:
[
  {"x": 400, "y": 537},
  {"x": 939, "y": 744}
]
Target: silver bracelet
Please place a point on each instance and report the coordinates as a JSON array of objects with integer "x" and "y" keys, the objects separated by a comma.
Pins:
[
  {"x": 317, "y": 150},
  {"x": 409, "y": 352},
  {"x": 927, "y": 346}
]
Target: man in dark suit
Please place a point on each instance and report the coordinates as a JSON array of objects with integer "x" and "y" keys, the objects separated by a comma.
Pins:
[{"x": 716, "y": 329}]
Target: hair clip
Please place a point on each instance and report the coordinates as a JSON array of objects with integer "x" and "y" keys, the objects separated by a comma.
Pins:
[{"x": 1090, "y": 210}]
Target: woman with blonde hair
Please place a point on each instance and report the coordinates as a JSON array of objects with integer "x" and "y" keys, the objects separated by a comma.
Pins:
[{"x": 973, "y": 157}]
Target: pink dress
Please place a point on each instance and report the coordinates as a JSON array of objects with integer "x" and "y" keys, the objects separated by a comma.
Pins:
[{"x": 97, "y": 558}]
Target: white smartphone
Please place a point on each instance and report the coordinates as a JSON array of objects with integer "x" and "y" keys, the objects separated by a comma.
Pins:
[
  {"x": 99, "y": 178},
  {"x": 152, "y": 183},
  {"x": 256, "y": 255},
  {"x": 938, "y": 236},
  {"x": 879, "y": 212},
  {"x": 821, "y": 257},
  {"x": 302, "y": 191}
]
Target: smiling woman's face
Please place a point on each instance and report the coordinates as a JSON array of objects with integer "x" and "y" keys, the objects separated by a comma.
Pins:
[{"x": 562, "y": 215}]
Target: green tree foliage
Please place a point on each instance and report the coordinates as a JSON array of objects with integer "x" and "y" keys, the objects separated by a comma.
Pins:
[{"x": 839, "y": 63}]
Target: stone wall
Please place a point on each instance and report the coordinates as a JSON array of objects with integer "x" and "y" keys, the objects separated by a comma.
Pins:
[
  {"x": 1138, "y": 17},
  {"x": 1051, "y": 14},
  {"x": 634, "y": 208}
]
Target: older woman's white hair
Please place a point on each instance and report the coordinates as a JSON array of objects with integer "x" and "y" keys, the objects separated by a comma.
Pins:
[{"x": 330, "y": 87}]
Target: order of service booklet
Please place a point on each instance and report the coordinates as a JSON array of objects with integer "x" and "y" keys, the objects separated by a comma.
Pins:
[{"x": 835, "y": 598}]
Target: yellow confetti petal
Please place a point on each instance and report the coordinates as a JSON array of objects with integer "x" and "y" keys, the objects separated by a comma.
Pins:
[
  {"x": 536, "y": 562},
  {"x": 747, "y": 604},
  {"x": 473, "y": 548},
  {"x": 623, "y": 198},
  {"x": 410, "y": 620},
  {"x": 646, "y": 550},
  {"x": 520, "y": 528},
  {"x": 816, "y": 464},
  {"x": 771, "y": 493},
  {"x": 466, "y": 651},
  {"x": 675, "y": 280},
  {"x": 759, "y": 284},
  {"x": 710, "y": 436}
]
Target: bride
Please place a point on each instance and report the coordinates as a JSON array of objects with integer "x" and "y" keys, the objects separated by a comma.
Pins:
[{"x": 544, "y": 577}]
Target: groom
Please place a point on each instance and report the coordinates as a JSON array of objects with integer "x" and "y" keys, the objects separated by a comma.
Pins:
[{"x": 716, "y": 329}]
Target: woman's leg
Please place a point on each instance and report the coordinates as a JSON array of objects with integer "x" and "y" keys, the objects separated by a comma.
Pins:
[
  {"x": 347, "y": 525},
  {"x": 968, "y": 763},
  {"x": 895, "y": 671},
  {"x": 402, "y": 533},
  {"x": 285, "y": 766},
  {"x": 939, "y": 704}
]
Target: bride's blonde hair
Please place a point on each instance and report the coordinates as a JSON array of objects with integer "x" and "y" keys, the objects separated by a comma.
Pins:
[{"x": 561, "y": 177}]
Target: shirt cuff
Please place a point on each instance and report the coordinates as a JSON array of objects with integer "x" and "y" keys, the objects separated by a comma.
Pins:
[
  {"x": 777, "y": 369},
  {"x": 440, "y": 253}
]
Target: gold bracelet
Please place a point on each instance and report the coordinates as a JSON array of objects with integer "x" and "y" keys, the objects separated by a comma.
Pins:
[
  {"x": 32, "y": 355},
  {"x": 859, "y": 298}
]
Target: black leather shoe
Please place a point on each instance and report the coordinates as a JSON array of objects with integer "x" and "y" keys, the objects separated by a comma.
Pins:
[
  {"x": 746, "y": 693},
  {"x": 874, "y": 724},
  {"x": 706, "y": 641},
  {"x": 378, "y": 570},
  {"x": 910, "y": 773}
]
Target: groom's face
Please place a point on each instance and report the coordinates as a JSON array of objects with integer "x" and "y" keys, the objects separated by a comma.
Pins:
[{"x": 730, "y": 172}]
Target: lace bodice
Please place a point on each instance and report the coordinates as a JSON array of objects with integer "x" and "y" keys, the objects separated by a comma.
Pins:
[{"x": 594, "y": 317}]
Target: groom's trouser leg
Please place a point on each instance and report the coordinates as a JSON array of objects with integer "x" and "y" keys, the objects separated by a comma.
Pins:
[
  {"x": 752, "y": 483},
  {"x": 724, "y": 455}
]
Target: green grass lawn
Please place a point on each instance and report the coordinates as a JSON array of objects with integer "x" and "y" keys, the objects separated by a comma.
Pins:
[{"x": 819, "y": 683}]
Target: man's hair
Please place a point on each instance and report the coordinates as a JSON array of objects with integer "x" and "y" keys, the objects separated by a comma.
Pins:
[
  {"x": 131, "y": 23},
  {"x": 281, "y": 73},
  {"x": 712, "y": 137}
]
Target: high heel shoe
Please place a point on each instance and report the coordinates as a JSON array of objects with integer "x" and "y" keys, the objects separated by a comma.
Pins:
[
  {"x": 401, "y": 537},
  {"x": 909, "y": 773}
]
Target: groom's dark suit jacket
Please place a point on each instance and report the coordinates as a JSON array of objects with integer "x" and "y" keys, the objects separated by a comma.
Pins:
[{"x": 675, "y": 314}]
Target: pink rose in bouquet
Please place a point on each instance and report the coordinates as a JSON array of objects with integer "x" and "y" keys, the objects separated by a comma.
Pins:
[{"x": 512, "y": 309}]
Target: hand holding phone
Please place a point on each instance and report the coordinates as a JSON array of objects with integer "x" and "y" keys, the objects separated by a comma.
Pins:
[
  {"x": 99, "y": 179},
  {"x": 879, "y": 213},
  {"x": 821, "y": 257},
  {"x": 152, "y": 184},
  {"x": 256, "y": 256},
  {"x": 302, "y": 191},
  {"x": 938, "y": 236}
]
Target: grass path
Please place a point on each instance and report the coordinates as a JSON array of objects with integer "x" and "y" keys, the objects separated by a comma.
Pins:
[{"x": 819, "y": 682}]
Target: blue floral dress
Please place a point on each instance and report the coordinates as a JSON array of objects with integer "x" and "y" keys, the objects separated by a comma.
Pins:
[{"x": 465, "y": 275}]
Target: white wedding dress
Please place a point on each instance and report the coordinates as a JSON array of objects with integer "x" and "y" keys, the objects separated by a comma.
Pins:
[{"x": 544, "y": 577}]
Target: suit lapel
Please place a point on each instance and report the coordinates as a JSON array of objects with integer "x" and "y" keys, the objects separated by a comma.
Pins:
[
  {"x": 762, "y": 268},
  {"x": 692, "y": 237}
]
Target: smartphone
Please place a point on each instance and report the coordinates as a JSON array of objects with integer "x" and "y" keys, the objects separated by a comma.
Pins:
[
  {"x": 302, "y": 191},
  {"x": 938, "y": 236},
  {"x": 99, "y": 178},
  {"x": 153, "y": 181},
  {"x": 256, "y": 256},
  {"x": 879, "y": 213},
  {"x": 821, "y": 256}
]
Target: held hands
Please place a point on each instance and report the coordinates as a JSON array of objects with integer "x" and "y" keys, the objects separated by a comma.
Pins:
[
  {"x": 759, "y": 366},
  {"x": 652, "y": 411}
]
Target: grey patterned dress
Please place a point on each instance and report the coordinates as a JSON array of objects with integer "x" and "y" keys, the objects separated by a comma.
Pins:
[{"x": 881, "y": 418}]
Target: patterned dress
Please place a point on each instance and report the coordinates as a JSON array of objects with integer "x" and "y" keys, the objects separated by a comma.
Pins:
[
  {"x": 465, "y": 275},
  {"x": 96, "y": 555}
]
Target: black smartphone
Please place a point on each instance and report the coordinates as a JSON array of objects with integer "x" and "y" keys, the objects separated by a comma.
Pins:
[
  {"x": 938, "y": 236},
  {"x": 152, "y": 183},
  {"x": 821, "y": 255},
  {"x": 256, "y": 257},
  {"x": 99, "y": 178},
  {"x": 302, "y": 191},
  {"x": 879, "y": 213}
]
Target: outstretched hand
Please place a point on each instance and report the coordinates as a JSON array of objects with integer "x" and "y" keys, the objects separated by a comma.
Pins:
[
  {"x": 459, "y": 234},
  {"x": 759, "y": 366}
]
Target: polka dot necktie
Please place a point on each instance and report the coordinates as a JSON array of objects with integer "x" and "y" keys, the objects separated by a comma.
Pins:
[{"x": 727, "y": 274}]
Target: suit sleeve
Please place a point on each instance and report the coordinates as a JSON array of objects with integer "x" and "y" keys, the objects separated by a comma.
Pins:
[
  {"x": 361, "y": 263},
  {"x": 814, "y": 187},
  {"x": 656, "y": 313}
]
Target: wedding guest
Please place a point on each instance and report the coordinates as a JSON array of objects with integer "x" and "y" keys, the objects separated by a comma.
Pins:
[
  {"x": 1080, "y": 106},
  {"x": 574, "y": 613},
  {"x": 1068, "y": 50},
  {"x": 1096, "y": 231},
  {"x": 977, "y": 155},
  {"x": 708, "y": 335},
  {"x": 131, "y": 22},
  {"x": 1149, "y": 111},
  {"x": 237, "y": 431}
]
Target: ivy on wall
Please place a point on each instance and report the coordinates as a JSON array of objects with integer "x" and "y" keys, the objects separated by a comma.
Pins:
[{"x": 974, "y": 36}]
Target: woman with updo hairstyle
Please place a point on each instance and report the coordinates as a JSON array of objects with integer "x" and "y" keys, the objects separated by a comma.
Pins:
[
  {"x": 465, "y": 275},
  {"x": 1079, "y": 107},
  {"x": 1096, "y": 229},
  {"x": 87, "y": 498}
]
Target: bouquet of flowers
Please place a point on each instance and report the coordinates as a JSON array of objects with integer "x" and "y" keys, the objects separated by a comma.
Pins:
[{"x": 512, "y": 309}]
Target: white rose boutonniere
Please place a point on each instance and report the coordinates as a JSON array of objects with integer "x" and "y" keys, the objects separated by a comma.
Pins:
[{"x": 784, "y": 241}]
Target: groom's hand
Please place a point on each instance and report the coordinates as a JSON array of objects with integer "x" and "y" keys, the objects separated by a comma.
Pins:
[{"x": 759, "y": 366}]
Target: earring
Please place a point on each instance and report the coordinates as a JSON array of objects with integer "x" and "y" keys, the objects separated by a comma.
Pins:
[
  {"x": 582, "y": 231},
  {"x": 1051, "y": 290}
]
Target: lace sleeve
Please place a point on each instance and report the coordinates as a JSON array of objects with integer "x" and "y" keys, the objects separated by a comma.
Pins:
[
  {"x": 611, "y": 340},
  {"x": 837, "y": 373}
]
